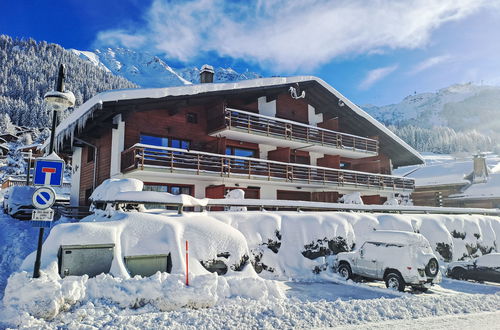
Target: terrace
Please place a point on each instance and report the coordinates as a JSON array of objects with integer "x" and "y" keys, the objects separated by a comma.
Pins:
[
  {"x": 251, "y": 127},
  {"x": 164, "y": 160}
]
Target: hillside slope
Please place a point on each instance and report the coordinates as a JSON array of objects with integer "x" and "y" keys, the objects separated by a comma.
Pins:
[{"x": 29, "y": 70}]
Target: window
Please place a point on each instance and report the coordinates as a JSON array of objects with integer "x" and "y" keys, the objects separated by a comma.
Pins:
[
  {"x": 173, "y": 189},
  {"x": 170, "y": 188},
  {"x": 192, "y": 117},
  {"x": 344, "y": 165},
  {"x": 154, "y": 140},
  {"x": 242, "y": 152},
  {"x": 161, "y": 141}
]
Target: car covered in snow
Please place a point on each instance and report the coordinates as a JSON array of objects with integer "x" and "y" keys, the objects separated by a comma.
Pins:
[
  {"x": 397, "y": 257},
  {"x": 17, "y": 201},
  {"x": 484, "y": 268}
]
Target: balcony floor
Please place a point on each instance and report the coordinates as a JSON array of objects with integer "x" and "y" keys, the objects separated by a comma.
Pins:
[{"x": 294, "y": 143}]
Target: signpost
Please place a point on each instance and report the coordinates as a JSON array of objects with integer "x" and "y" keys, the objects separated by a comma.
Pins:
[{"x": 49, "y": 170}]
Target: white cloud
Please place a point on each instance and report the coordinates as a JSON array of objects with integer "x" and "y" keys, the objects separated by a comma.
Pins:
[
  {"x": 289, "y": 35},
  {"x": 375, "y": 75},
  {"x": 428, "y": 63}
]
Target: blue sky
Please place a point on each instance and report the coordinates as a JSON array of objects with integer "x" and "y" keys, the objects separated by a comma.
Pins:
[{"x": 371, "y": 51}]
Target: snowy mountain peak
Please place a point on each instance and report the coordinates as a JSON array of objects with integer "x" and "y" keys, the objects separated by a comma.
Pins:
[
  {"x": 144, "y": 69},
  {"x": 460, "y": 106},
  {"x": 147, "y": 70}
]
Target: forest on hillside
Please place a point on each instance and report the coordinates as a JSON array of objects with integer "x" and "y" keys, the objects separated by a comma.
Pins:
[{"x": 29, "y": 70}]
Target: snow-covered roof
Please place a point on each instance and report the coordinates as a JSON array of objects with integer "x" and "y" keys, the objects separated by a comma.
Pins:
[
  {"x": 485, "y": 190},
  {"x": 446, "y": 171},
  {"x": 395, "y": 237},
  {"x": 79, "y": 117}
]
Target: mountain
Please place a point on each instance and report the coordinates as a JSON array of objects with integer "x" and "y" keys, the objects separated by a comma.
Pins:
[
  {"x": 143, "y": 69},
  {"x": 148, "y": 70},
  {"x": 460, "y": 107},
  {"x": 29, "y": 70}
]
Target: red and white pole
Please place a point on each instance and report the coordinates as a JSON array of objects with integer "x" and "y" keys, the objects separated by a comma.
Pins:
[{"x": 187, "y": 263}]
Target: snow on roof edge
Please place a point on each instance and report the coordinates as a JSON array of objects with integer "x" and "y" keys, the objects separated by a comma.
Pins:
[{"x": 136, "y": 93}]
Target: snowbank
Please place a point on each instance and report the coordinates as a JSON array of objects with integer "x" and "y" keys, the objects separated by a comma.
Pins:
[
  {"x": 299, "y": 245},
  {"x": 135, "y": 234},
  {"x": 47, "y": 296},
  {"x": 108, "y": 190}
]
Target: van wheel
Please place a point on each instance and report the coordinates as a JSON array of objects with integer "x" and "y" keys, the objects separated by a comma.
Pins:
[
  {"x": 345, "y": 271},
  {"x": 432, "y": 268},
  {"x": 394, "y": 281}
]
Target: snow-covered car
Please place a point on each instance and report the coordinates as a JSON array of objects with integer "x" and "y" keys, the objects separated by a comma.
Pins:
[
  {"x": 484, "y": 268},
  {"x": 397, "y": 257},
  {"x": 17, "y": 202}
]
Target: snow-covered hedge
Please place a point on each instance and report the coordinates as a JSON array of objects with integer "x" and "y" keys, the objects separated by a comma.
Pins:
[{"x": 291, "y": 244}]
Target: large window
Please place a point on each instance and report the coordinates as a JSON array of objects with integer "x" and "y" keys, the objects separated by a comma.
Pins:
[
  {"x": 164, "y": 141},
  {"x": 242, "y": 152}
]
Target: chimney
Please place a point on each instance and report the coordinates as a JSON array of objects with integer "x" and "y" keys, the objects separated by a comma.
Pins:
[
  {"x": 480, "y": 172},
  {"x": 207, "y": 74}
]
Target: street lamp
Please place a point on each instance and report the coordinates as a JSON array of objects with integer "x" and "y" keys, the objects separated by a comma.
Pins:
[{"x": 56, "y": 101}]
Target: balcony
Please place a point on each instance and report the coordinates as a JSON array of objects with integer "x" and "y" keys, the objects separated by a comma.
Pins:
[
  {"x": 252, "y": 127},
  {"x": 165, "y": 161}
]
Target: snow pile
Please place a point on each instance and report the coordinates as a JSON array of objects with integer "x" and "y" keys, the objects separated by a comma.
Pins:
[
  {"x": 135, "y": 234},
  {"x": 354, "y": 198},
  {"x": 236, "y": 194},
  {"x": 49, "y": 295},
  {"x": 108, "y": 190},
  {"x": 490, "y": 260}
]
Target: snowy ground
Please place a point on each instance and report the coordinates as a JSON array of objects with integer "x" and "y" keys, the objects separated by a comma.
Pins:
[{"x": 327, "y": 302}]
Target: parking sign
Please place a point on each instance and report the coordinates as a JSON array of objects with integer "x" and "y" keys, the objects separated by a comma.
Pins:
[{"x": 48, "y": 172}]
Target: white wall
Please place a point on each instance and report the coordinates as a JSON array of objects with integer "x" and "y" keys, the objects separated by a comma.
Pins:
[
  {"x": 117, "y": 145},
  {"x": 76, "y": 163},
  {"x": 264, "y": 149},
  {"x": 314, "y": 157},
  {"x": 313, "y": 118},
  {"x": 267, "y": 108}
]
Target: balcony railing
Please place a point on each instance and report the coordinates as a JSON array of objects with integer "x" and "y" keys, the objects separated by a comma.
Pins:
[
  {"x": 294, "y": 131},
  {"x": 172, "y": 160}
]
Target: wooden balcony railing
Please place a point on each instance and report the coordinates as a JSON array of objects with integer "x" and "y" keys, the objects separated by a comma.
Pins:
[
  {"x": 142, "y": 156},
  {"x": 290, "y": 130}
]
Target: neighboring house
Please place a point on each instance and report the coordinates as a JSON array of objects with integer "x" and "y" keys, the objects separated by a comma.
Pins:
[
  {"x": 9, "y": 137},
  {"x": 276, "y": 138},
  {"x": 465, "y": 183}
]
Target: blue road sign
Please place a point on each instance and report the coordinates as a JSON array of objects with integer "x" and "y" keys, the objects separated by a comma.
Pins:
[
  {"x": 48, "y": 172},
  {"x": 43, "y": 198}
]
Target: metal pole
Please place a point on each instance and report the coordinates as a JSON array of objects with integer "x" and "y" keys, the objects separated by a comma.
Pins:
[
  {"x": 60, "y": 88},
  {"x": 29, "y": 168}
]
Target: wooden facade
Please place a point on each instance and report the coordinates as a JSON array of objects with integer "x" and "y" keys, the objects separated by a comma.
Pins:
[{"x": 299, "y": 159}]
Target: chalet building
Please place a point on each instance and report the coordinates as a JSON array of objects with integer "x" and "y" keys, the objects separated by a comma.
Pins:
[
  {"x": 468, "y": 183},
  {"x": 276, "y": 138}
]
